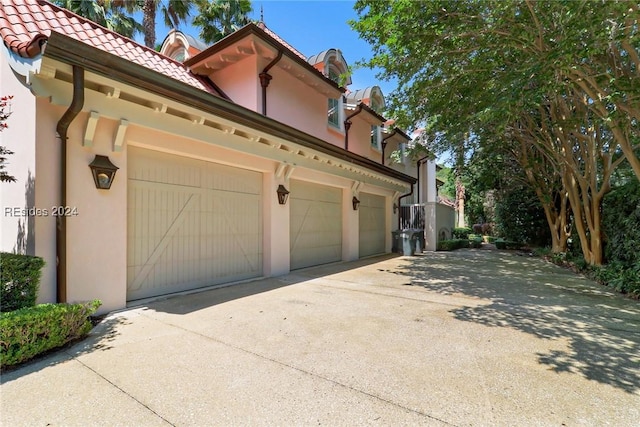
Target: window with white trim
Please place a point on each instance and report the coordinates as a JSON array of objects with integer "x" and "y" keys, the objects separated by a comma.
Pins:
[
  {"x": 375, "y": 130},
  {"x": 334, "y": 105}
]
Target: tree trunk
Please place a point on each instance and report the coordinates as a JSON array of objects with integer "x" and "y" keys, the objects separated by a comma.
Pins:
[{"x": 149, "y": 23}]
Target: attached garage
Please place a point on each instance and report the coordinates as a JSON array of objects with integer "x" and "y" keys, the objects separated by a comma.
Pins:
[
  {"x": 190, "y": 224},
  {"x": 316, "y": 224},
  {"x": 372, "y": 224}
]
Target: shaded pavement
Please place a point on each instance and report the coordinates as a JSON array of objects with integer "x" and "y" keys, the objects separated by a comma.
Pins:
[{"x": 470, "y": 337}]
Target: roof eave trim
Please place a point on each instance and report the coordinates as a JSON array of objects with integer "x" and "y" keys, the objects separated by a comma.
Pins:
[
  {"x": 74, "y": 52},
  {"x": 254, "y": 29},
  {"x": 23, "y": 66}
]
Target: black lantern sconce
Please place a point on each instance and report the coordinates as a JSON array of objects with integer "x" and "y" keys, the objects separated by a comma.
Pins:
[
  {"x": 103, "y": 172},
  {"x": 355, "y": 202},
  {"x": 395, "y": 208},
  {"x": 283, "y": 194}
]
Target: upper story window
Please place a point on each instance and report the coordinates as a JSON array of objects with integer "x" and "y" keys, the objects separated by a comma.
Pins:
[
  {"x": 376, "y": 104},
  {"x": 334, "y": 105}
]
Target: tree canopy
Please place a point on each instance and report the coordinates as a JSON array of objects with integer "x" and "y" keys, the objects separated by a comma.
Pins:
[{"x": 555, "y": 83}]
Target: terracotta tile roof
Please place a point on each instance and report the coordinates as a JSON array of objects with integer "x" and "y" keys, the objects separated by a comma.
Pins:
[
  {"x": 280, "y": 40},
  {"x": 25, "y": 25}
]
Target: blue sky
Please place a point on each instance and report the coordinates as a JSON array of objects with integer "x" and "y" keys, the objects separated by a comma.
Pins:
[{"x": 312, "y": 26}]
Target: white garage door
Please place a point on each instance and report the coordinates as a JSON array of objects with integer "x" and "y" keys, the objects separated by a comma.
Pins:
[
  {"x": 372, "y": 224},
  {"x": 190, "y": 224},
  {"x": 316, "y": 224}
]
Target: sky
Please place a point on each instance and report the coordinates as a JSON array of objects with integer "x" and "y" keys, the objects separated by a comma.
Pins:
[{"x": 312, "y": 26}]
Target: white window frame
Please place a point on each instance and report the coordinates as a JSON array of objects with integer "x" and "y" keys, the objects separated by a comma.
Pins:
[{"x": 334, "y": 75}]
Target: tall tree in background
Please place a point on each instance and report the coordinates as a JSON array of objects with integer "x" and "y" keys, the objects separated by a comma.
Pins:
[
  {"x": 116, "y": 15},
  {"x": 174, "y": 13},
  {"x": 489, "y": 66},
  {"x": 219, "y": 18}
]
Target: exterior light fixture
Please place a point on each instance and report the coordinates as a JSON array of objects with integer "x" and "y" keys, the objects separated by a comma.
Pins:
[
  {"x": 395, "y": 208},
  {"x": 355, "y": 202},
  {"x": 283, "y": 194},
  {"x": 103, "y": 172}
]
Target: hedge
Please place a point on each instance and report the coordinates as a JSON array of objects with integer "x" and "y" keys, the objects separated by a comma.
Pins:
[
  {"x": 461, "y": 233},
  {"x": 453, "y": 244},
  {"x": 30, "y": 331},
  {"x": 19, "y": 280}
]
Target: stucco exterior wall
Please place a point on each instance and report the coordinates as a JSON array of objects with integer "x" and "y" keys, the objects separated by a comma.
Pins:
[
  {"x": 97, "y": 235},
  {"x": 18, "y": 228},
  {"x": 241, "y": 83},
  {"x": 47, "y": 186},
  {"x": 293, "y": 102}
]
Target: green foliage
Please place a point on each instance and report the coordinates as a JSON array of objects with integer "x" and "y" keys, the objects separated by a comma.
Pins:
[
  {"x": 453, "y": 244},
  {"x": 220, "y": 18},
  {"x": 621, "y": 278},
  {"x": 508, "y": 244},
  {"x": 114, "y": 15},
  {"x": 5, "y": 112},
  {"x": 621, "y": 225},
  {"x": 520, "y": 217},
  {"x": 461, "y": 232},
  {"x": 475, "y": 242},
  {"x": 19, "y": 280},
  {"x": 448, "y": 189},
  {"x": 27, "y": 332}
]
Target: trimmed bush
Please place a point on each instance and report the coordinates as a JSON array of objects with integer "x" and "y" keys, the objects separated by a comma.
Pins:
[
  {"x": 461, "y": 233},
  {"x": 19, "y": 280},
  {"x": 508, "y": 244},
  {"x": 28, "y": 332},
  {"x": 475, "y": 242},
  {"x": 453, "y": 244}
]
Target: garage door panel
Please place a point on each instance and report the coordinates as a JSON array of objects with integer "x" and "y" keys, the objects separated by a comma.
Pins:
[
  {"x": 316, "y": 224},
  {"x": 182, "y": 236},
  {"x": 372, "y": 224}
]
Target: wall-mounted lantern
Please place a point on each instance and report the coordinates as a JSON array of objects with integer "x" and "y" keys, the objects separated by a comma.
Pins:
[
  {"x": 395, "y": 208},
  {"x": 355, "y": 203},
  {"x": 283, "y": 194},
  {"x": 103, "y": 172}
]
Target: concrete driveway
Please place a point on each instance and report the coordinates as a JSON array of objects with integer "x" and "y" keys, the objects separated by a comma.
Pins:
[{"x": 470, "y": 337}]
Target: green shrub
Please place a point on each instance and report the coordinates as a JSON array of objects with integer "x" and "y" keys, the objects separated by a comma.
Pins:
[
  {"x": 621, "y": 224},
  {"x": 620, "y": 278},
  {"x": 508, "y": 244},
  {"x": 30, "y": 331},
  {"x": 475, "y": 242},
  {"x": 461, "y": 233},
  {"x": 488, "y": 239},
  {"x": 453, "y": 244},
  {"x": 19, "y": 280}
]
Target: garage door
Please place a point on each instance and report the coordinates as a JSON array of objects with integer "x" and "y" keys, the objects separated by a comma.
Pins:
[
  {"x": 372, "y": 224},
  {"x": 190, "y": 224},
  {"x": 316, "y": 224}
]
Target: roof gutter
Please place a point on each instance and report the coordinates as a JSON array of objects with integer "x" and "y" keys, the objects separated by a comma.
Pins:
[
  {"x": 265, "y": 79},
  {"x": 74, "y": 52},
  {"x": 384, "y": 141},
  {"x": 347, "y": 125},
  {"x": 61, "y": 221},
  {"x": 418, "y": 173}
]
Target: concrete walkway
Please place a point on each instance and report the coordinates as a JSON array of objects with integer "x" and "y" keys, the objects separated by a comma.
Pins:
[{"x": 471, "y": 337}]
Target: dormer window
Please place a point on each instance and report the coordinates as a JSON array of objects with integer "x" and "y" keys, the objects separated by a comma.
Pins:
[
  {"x": 376, "y": 103},
  {"x": 335, "y": 105}
]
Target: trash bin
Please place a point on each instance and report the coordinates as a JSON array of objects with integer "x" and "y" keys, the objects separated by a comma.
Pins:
[
  {"x": 396, "y": 245},
  {"x": 408, "y": 242}
]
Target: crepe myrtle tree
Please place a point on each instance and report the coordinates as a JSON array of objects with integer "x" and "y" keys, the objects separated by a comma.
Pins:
[{"x": 506, "y": 68}]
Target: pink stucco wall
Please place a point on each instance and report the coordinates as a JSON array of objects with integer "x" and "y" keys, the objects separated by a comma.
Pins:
[{"x": 240, "y": 82}]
